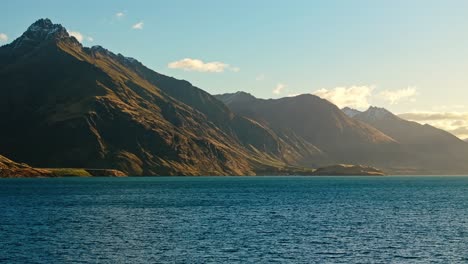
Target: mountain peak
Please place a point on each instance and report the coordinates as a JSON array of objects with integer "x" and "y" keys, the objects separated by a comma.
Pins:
[
  {"x": 45, "y": 29},
  {"x": 351, "y": 112},
  {"x": 377, "y": 113},
  {"x": 40, "y": 31},
  {"x": 42, "y": 23},
  {"x": 235, "y": 97},
  {"x": 245, "y": 94}
]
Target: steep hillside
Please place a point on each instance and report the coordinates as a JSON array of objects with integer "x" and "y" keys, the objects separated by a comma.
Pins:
[
  {"x": 434, "y": 149},
  {"x": 71, "y": 106},
  {"x": 318, "y": 123}
]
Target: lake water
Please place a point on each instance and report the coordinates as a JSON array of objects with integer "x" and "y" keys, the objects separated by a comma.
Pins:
[{"x": 235, "y": 219}]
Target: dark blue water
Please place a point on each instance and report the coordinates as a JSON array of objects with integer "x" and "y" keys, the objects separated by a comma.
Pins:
[{"x": 244, "y": 219}]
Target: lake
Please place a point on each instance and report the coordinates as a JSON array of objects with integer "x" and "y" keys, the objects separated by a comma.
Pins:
[{"x": 234, "y": 219}]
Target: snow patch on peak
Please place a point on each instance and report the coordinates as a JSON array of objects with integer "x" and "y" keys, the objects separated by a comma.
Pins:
[
  {"x": 45, "y": 25},
  {"x": 40, "y": 31}
]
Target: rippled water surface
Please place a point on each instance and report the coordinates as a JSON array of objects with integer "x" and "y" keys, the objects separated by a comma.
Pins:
[{"x": 235, "y": 219}]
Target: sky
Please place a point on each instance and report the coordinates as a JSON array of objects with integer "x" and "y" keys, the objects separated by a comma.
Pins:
[{"x": 410, "y": 57}]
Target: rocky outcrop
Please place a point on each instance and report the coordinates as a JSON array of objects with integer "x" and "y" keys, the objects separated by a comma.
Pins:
[
  {"x": 11, "y": 169},
  {"x": 348, "y": 170}
]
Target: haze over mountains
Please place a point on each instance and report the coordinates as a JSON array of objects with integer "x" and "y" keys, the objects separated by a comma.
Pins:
[
  {"x": 375, "y": 137},
  {"x": 71, "y": 106}
]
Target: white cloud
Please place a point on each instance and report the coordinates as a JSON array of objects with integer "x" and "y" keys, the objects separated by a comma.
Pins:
[
  {"x": 138, "y": 25},
  {"x": 396, "y": 96},
  {"x": 453, "y": 122},
  {"x": 3, "y": 37},
  {"x": 120, "y": 14},
  {"x": 189, "y": 64},
  {"x": 260, "y": 77},
  {"x": 80, "y": 37},
  {"x": 279, "y": 88},
  {"x": 77, "y": 35},
  {"x": 352, "y": 96}
]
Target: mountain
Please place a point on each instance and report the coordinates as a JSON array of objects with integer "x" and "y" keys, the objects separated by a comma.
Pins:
[
  {"x": 375, "y": 137},
  {"x": 350, "y": 111},
  {"x": 316, "y": 122},
  {"x": 434, "y": 149},
  {"x": 71, "y": 106}
]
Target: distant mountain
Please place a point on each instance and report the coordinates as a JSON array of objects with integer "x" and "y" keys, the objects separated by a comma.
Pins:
[
  {"x": 375, "y": 137},
  {"x": 316, "y": 122},
  {"x": 435, "y": 149},
  {"x": 71, "y": 106},
  {"x": 350, "y": 111}
]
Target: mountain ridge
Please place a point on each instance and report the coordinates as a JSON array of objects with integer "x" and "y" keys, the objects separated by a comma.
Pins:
[
  {"x": 416, "y": 149},
  {"x": 93, "y": 96},
  {"x": 441, "y": 151},
  {"x": 70, "y": 106},
  {"x": 317, "y": 122}
]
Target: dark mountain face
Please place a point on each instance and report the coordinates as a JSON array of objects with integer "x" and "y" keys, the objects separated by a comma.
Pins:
[
  {"x": 434, "y": 149},
  {"x": 70, "y": 106},
  {"x": 317, "y": 122}
]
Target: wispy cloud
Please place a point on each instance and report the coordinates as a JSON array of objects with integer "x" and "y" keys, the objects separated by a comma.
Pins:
[
  {"x": 138, "y": 25},
  {"x": 396, "y": 96},
  {"x": 189, "y": 64},
  {"x": 119, "y": 14},
  {"x": 352, "y": 96},
  {"x": 3, "y": 37},
  {"x": 279, "y": 88},
  {"x": 90, "y": 39},
  {"x": 453, "y": 122},
  {"x": 260, "y": 77}
]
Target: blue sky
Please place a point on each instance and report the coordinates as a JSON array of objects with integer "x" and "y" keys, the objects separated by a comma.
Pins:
[{"x": 407, "y": 56}]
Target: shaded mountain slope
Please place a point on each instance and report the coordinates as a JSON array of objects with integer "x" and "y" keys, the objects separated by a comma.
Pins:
[
  {"x": 6, "y": 163},
  {"x": 434, "y": 149},
  {"x": 70, "y": 106},
  {"x": 316, "y": 122}
]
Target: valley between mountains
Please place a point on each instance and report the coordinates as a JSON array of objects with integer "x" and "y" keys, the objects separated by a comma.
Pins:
[{"x": 64, "y": 105}]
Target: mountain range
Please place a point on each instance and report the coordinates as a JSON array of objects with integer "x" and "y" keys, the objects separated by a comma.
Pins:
[
  {"x": 66, "y": 105},
  {"x": 374, "y": 137}
]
